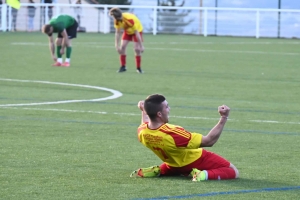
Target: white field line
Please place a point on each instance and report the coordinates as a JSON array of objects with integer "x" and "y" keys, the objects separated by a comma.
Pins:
[
  {"x": 136, "y": 114},
  {"x": 56, "y": 110},
  {"x": 274, "y": 122},
  {"x": 96, "y": 45},
  {"x": 115, "y": 93},
  {"x": 213, "y": 51}
]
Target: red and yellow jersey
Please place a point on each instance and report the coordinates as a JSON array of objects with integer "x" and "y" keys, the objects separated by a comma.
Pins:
[
  {"x": 129, "y": 23},
  {"x": 172, "y": 144}
]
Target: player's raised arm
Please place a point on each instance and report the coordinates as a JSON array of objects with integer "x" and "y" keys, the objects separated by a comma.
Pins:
[
  {"x": 145, "y": 117},
  {"x": 212, "y": 137}
]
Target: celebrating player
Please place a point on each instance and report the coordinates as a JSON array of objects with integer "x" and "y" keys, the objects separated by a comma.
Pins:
[
  {"x": 132, "y": 32},
  {"x": 66, "y": 27},
  {"x": 180, "y": 150}
]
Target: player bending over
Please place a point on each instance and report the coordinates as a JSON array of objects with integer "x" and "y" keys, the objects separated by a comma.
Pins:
[
  {"x": 66, "y": 27},
  {"x": 132, "y": 32}
]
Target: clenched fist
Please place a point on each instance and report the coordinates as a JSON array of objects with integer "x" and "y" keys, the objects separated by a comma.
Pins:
[
  {"x": 224, "y": 111},
  {"x": 141, "y": 105}
]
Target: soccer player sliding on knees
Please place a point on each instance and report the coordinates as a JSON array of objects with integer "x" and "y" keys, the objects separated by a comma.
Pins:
[{"x": 181, "y": 151}]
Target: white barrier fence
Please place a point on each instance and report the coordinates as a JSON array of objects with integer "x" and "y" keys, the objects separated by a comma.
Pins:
[{"x": 158, "y": 20}]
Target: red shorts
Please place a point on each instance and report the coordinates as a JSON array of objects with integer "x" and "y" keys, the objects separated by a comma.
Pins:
[
  {"x": 207, "y": 161},
  {"x": 132, "y": 37}
]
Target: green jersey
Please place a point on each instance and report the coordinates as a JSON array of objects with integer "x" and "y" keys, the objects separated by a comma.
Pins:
[{"x": 61, "y": 22}]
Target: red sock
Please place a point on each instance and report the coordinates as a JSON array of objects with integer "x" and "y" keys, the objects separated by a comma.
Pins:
[
  {"x": 221, "y": 173},
  {"x": 138, "y": 61},
  {"x": 123, "y": 60}
]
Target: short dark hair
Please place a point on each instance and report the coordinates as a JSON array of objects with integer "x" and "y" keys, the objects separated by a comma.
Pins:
[
  {"x": 46, "y": 28},
  {"x": 152, "y": 105},
  {"x": 116, "y": 13}
]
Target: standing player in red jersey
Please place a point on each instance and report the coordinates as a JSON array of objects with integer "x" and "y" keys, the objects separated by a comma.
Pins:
[
  {"x": 132, "y": 32},
  {"x": 181, "y": 151}
]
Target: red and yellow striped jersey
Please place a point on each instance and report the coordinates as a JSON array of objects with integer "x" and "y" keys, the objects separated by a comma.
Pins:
[
  {"x": 129, "y": 23},
  {"x": 172, "y": 144}
]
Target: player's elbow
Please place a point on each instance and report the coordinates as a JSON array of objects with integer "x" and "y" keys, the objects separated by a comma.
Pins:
[
  {"x": 210, "y": 144},
  {"x": 137, "y": 33},
  {"x": 207, "y": 141},
  {"x": 237, "y": 173}
]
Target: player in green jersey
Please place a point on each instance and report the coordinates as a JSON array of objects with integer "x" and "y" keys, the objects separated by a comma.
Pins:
[{"x": 66, "y": 27}]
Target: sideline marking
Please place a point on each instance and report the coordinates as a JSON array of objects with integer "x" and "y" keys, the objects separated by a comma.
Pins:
[
  {"x": 223, "y": 193},
  {"x": 115, "y": 93}
]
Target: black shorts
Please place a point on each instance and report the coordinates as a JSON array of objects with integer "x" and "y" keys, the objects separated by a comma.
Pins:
[{"x": 71, "y": 31}]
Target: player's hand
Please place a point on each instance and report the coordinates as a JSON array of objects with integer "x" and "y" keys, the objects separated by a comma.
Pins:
[
  {"x": 119, "y": 50},
  {"x": 62, "y": 51},
  {"x": 224, "y": 110},
  {"x": 54, "y": 58},
  {"x": 142, "y": 49},
  {"x": 141, "y": 105}
]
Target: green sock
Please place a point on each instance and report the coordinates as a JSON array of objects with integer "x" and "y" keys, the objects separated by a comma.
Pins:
[
  {"x": 58, "y": 48},
  {"x": 69, "y": 51},
  {"x": 199, "y": 175}
]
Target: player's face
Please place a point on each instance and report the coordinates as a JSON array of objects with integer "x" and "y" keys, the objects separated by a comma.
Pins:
[
  {"x": 117, "y": 18},
  {"x": 165, "y": 112},
  {"x": 50, "y": 31}
]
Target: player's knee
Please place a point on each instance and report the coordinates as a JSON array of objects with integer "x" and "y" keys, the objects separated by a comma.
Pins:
[
  {"x": 137, "y": 51},
  {"x": 123, "y": 48},
  {"x": 58, "y": 42},
  {"x": 237, "y": 174}
]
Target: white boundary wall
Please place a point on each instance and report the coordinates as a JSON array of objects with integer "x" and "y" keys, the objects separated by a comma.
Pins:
[{"x": 204, "y": 21}]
